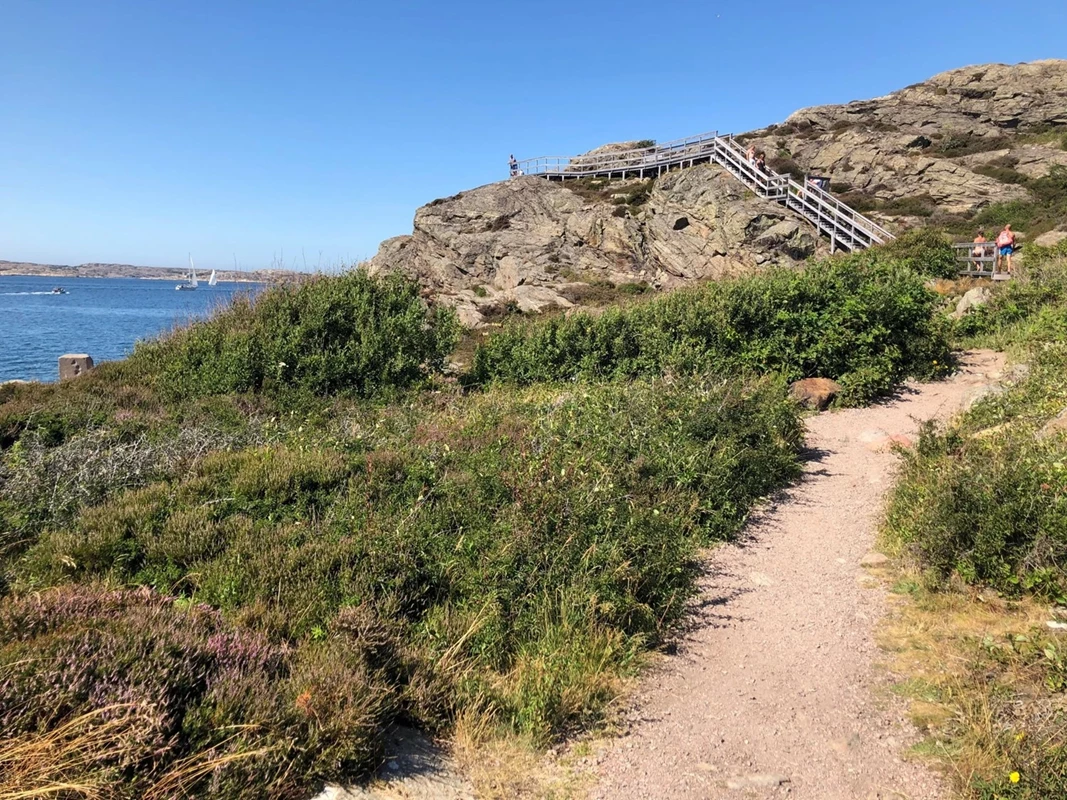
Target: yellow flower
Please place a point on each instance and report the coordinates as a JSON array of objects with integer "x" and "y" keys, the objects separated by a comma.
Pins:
[{"x": 1014, "y": 777}]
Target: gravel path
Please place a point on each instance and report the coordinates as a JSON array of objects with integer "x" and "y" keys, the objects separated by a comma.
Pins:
[{"x": 774, "y": 692}]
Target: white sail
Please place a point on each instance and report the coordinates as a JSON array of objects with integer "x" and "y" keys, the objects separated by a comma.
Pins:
[
  {"x": 192, "y": 273},
  {"x": 213, "y": 279}
]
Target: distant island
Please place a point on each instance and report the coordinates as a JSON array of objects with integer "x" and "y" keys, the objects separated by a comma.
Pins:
[{"x": 148, "y": 273}]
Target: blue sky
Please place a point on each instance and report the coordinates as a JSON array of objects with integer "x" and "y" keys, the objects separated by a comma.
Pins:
[{"x": 307, "y": 132}]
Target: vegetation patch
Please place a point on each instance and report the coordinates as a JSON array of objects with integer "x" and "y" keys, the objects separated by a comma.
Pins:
[
  {"x": 496, "y": 560},
  {"x": 980, "y": 517},
  {"x": 1047, "y": 210},
  {"x": 349, "y": 334},
  {"x": 865, "y": 320}
]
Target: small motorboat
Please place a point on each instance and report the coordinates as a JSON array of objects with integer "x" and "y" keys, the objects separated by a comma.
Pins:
[{"x": 58, "y": 290}]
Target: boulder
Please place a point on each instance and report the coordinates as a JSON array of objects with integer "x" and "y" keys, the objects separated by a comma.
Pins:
[
  {"x": 934, "y": 141},
  {"x": 528, "y": 238},
  {"x": 950, "y": 144},
  {"x": 816, "y": 393},
  {"x": 1055, "y": 426},
  {"x": 1050, "y": 239},
  {"x": 973, "y": 298}
]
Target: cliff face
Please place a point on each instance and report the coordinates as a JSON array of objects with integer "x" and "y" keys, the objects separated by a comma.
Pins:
[
  {"x": 539, "y": 244},
  {"x": 947, "y": 146},
  {"x": 925, "y": 142}
]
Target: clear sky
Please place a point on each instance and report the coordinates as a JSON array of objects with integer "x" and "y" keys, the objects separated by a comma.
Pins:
[{"x": 306, "y": 132}]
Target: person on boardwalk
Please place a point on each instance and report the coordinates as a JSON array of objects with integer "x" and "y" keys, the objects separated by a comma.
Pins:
[
  {"x": 761, "y": 161},
  {"x": 513, "y": 166},
  {"x": 750, "y": 155},
  {"x": 1005, "y": 247},
  {"x": 981, "y": 251}
]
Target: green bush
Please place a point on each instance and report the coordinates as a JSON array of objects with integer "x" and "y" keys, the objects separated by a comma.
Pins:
[
  {"x": 866, "y": 320},
  {"x": 986, "y": 500},
  {"x": 926, "y": 251},
  {"x": 988, "y": 510},
  {"x": 349, "y": 334}
]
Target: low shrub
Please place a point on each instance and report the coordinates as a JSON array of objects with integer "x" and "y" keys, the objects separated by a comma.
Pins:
[
  {"x": 926, "y": 251},
  {"x": 349, "y": 334},
  {"x": 187, "y": 702},
  {"x": 865, "y": 320},
  {"x": 915, "y": 206},
  {"x": 1028, "y": 308},
  {"x": 1045, "y": 211},
  {"x": 985, "y": 501},
  {"x": 966, "y": 507},
  {"x": 955, "y": 144},
  {"x": 520, "y": 548}
]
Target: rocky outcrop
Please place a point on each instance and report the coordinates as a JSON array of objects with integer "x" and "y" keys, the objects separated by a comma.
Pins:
[
  {"x": 949, "y": 145},
  {"x": 926, "y": 142},
  {"x": 533, "y": 244}
]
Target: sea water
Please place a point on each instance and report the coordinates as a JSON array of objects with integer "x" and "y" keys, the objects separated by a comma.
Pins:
[{"x": 104, "y": 317}]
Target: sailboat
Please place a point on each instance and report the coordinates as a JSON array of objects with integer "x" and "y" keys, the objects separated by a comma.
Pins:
[
  {"x": 190, "y": 281},
  {"x": 213, "y": 279}
]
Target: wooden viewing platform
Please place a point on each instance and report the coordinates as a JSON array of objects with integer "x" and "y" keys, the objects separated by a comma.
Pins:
[
  {"x": 979, "y": 260},
  {"x": 844, "y": 226}
]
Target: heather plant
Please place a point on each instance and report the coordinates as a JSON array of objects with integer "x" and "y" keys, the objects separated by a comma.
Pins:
[
  {"x": 866, "y": 320},
  {"x": 190, "y": 703}
]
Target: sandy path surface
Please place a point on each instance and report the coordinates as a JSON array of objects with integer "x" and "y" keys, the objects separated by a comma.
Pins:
[{"x": 774, "y": 693}]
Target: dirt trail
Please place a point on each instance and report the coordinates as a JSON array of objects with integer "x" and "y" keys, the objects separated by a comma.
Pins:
[{"x": 775, "y": 692}]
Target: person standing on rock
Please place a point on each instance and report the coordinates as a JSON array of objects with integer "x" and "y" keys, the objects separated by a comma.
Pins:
[
  {"x": 1005, "y": 247},
  {"x": 513, "y": 166}
]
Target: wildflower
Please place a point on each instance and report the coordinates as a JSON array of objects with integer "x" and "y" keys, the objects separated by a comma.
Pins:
[{"x": 1014, "y": 777}]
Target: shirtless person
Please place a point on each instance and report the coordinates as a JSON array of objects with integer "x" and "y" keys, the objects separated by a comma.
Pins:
[{"x": 980, "y": 252}]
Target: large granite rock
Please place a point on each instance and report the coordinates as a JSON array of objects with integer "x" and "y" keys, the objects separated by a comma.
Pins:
[
  {"x": 542, "y": 244},
  {"x": 950, "y": 145},
  {"x": 927, "y": 140}
]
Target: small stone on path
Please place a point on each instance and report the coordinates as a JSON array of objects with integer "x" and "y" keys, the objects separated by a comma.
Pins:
[
  {"x": 874, "y": 559},
  {"x": 756, "y": 781}
]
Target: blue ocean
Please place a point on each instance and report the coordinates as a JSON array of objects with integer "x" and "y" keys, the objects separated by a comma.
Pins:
[{"x": 103, "y": 317}]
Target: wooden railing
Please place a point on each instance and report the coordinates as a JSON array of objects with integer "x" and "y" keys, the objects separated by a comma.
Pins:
[{"x": 980, "y": 260}]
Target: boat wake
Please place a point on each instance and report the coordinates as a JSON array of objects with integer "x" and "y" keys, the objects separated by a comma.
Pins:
[{"x": 26, "y": 294}]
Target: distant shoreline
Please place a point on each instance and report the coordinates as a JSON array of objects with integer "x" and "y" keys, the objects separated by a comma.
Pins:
[{"x": 30, "y": 269}]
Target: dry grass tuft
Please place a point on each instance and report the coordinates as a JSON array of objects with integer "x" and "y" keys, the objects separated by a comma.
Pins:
[{"x": 966, "y": 663}]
